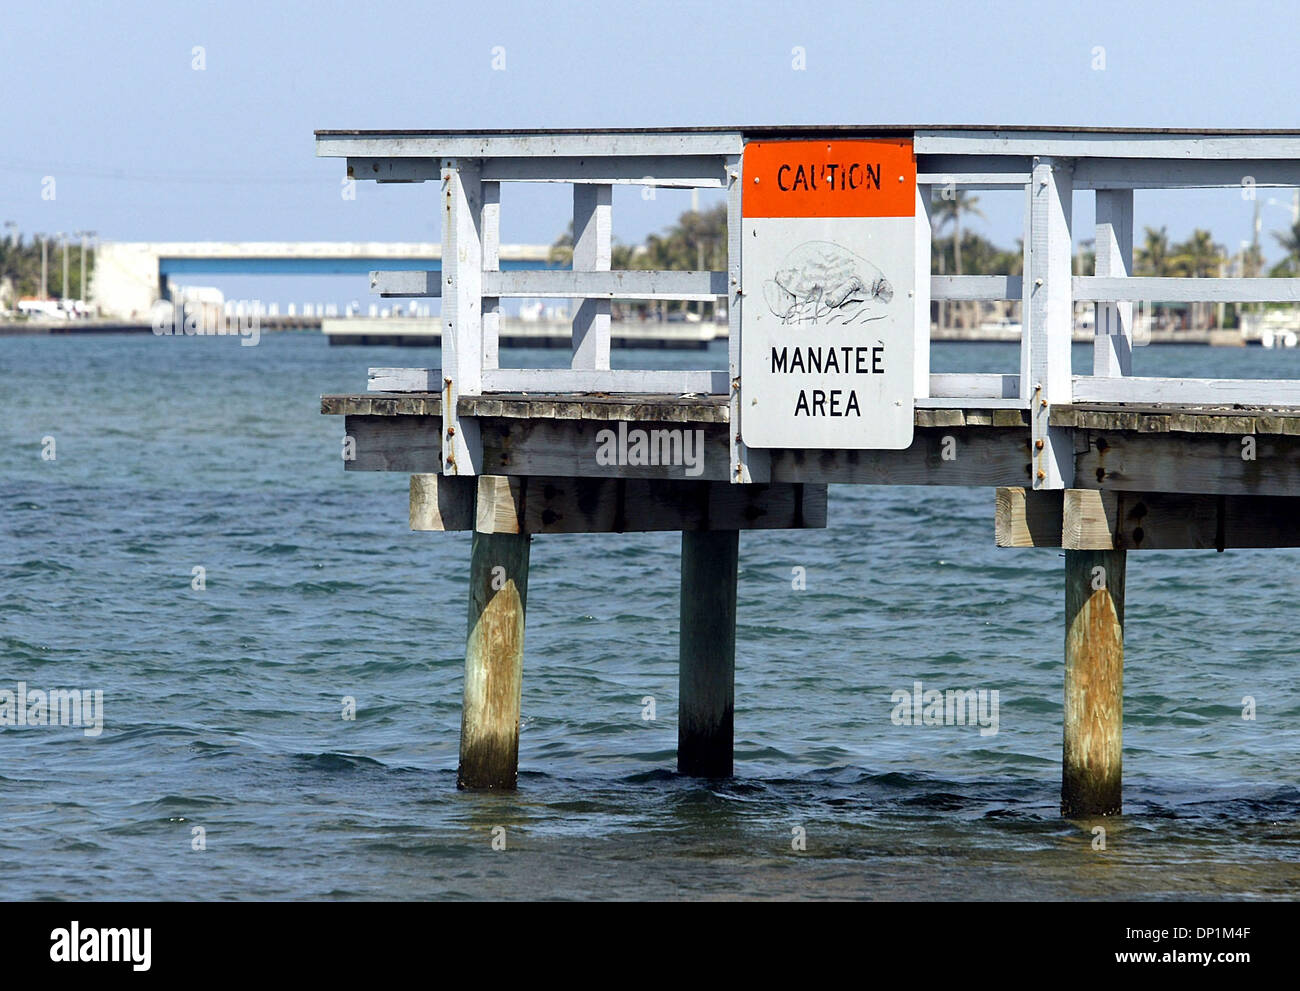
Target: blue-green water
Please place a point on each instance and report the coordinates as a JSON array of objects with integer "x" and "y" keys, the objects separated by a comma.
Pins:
[{"x": 222, "y": 707}]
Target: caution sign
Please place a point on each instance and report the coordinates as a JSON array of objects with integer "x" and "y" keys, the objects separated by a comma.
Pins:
[{"x": 828, "y": 276}]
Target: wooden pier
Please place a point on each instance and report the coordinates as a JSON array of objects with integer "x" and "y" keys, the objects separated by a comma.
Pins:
[{"x": 1094, "y": 461}]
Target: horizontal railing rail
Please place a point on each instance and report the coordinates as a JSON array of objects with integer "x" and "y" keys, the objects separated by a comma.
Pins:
[
  {"x": 990, "y": 288},
  {"x": 543, "y": 284},
  {"x": 1134, "y": 289}
]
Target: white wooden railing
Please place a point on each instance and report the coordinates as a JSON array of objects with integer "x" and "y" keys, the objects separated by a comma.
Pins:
[{"x": 1049, "y": 165}]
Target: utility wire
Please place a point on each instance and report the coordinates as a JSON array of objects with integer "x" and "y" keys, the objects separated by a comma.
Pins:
[{"x": 224, "y": 177}]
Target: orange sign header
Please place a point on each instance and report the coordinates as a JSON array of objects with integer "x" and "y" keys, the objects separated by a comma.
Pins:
[{"x": 829, "y": 179}]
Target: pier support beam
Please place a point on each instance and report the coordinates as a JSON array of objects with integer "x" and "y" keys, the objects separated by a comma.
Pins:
[
  {"x": 494, "y": 661},
  {"x": 1094, "y": 683},
  {"x": 707, "y": 653}
]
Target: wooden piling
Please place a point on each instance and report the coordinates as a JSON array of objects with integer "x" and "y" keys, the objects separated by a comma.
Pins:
[
  {"x": 1091, "y": 782},
  {"x": 707, "y": 653},
  {"x": 494, "y": 661}
]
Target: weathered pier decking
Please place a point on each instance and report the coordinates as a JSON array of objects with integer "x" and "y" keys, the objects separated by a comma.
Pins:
[{"x": 1097, "y": 464}]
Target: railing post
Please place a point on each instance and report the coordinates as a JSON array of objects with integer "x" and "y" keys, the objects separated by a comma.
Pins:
[
  {"x": 1112, "y": 352},
  {"x": 462, "y": 311},
  {"x": 747, "y": 464},
  {"x": 491, "y": 227},
  {"x": 591, "y": 253},
  {"x": 921, "y": 299},
  {"x": 1048, "y": 319}
]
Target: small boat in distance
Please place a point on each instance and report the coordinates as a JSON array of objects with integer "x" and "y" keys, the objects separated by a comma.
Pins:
[{"x": 1003, "y": 328}]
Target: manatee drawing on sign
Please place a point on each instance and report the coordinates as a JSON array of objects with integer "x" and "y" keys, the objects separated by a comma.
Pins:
[{"x": 821, "y": 282}]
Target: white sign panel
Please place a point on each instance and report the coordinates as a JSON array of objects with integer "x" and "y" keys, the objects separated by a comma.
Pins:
[{"x": 828, "y": 276}]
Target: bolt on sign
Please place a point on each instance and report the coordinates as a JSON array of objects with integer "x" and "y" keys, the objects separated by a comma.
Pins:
[{"x": 828, "y": 272}]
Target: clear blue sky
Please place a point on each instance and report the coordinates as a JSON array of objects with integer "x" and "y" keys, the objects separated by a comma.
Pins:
[{"x": 143, "y": 147}]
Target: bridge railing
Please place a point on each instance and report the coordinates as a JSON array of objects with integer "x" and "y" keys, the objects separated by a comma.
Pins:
[{"x": 1048, "y": 165}]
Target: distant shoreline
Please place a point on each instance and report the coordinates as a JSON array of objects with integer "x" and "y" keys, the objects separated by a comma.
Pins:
[{"x": 398, "y": 336}]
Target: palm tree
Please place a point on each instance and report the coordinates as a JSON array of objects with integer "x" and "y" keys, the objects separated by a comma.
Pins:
[
  {"x": 1199, "y": 258},
  {"x": 1153, "y": 256},
  {"x": 697, "y": 241},
  {"x": 949, "y": 210},
  {"x": 1252, "y": 261},
  {"x": 1290, "y": 241},
  {"x": 1252, "y": 267}
]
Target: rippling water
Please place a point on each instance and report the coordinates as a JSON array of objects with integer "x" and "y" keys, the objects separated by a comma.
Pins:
[{"x": 222, "y": 706}]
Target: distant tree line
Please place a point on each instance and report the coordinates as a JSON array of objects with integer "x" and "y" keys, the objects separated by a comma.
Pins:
[
  {"x": 963, "y": 252},
  {"x": 697, "y": 242},
  {"x": 20, "y": 267}
]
